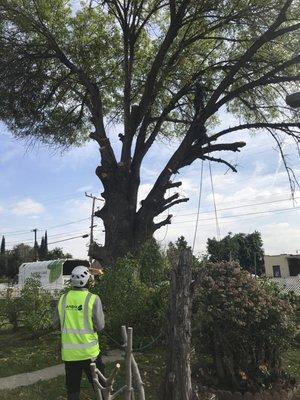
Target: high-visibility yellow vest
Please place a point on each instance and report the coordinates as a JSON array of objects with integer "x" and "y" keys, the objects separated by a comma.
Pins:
[{"x": 79, "y": 341}]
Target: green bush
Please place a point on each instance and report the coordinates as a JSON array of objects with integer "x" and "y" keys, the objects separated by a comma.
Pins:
[
  {"x": 128, "y": 301},
  {"x": 241, "y": 328},
  {"x": 153, "y": 264},
  {"x": 36, "y": 306},
  {"x": 10, "y": 311}
]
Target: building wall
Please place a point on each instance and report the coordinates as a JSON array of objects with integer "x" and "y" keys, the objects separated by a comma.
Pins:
[{"x": 280, "y": 260}]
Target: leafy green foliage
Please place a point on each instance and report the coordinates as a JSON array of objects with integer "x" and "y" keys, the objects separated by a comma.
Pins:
[
  {"x": 11, "y": 260},
  {"x": 246, "y": 249},
  {"x": 36, "y": 306},
  {"x": 128, "y": 301},
  {"x": 10, "y": 309},
  {"x": 153, "y": 265},
  {"x": 49, "y": 53},
  {"x": 241, "y": 329},
  {"x": 57, "y": 253}
]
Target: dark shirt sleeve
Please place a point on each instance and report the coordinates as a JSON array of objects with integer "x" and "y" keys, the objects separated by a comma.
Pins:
[{"x": 98, "y": 315}]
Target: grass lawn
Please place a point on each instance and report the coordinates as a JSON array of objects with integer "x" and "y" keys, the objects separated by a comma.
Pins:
[
  {"x": 292, "y": 362},
  {"x": 19, "y": 352},
  {"x": 150, "y": 363}
]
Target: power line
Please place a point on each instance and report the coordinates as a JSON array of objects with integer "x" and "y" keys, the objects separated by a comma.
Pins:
[
  {"x": 56, "y": 235},
  {"x": 47, "y": 228},
  {"x": 65, "y": 224},
  {"x": 241, "y": 206},
  {"x": 71, "y": 238},
  {"x": 241, "y": 215},
  {"x": 26, "y": 232}
]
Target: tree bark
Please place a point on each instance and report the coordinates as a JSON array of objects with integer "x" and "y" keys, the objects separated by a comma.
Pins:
[
  {"x": 124, "y": 232},
  {"x": 177, "y": 384}
]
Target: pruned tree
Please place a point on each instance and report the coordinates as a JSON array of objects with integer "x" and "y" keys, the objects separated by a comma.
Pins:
[{"x": 158, "y": 68}]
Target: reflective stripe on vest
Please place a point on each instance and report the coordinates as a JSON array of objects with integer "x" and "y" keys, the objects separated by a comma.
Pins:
[
  {"x": 79, "y": 341},
  {"x": 87, "y": 328},
  {"x": 79, "y": 346}
]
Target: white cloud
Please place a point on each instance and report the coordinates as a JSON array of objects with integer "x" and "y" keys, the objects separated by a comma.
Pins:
[
  {"x": 281, "y": 237},
  {"x": 80, "y": 208},
  {"x": 28, "y": 207},
  {"x": 85, "y": 188}
]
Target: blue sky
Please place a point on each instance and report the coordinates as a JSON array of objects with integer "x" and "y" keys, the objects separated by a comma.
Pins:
[{"x": 42, "y": 188}]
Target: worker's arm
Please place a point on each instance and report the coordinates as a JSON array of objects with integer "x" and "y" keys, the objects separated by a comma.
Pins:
[{"x": 98, "y": 315}]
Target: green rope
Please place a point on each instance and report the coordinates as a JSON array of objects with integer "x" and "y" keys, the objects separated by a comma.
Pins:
[{"x": 121, "y": 346}]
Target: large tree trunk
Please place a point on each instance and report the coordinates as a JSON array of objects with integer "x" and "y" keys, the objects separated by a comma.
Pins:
[
  {"x": 177, "y": 384},
  {"x": 125, "y": 232}
]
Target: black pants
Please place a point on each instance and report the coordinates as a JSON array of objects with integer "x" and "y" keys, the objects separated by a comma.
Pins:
[{"x": 74, "y": 371}]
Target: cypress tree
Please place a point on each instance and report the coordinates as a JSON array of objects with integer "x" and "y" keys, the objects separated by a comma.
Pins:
[
  {"x": 2, "y": 251},
  {"x": 46, "y": 242},
  {"x": 43, "y": 249}
]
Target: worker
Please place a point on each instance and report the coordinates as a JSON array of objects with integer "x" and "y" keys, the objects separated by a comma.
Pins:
[{"x": 80, "y": 317}]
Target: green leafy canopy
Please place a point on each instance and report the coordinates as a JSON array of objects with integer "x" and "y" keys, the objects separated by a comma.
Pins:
[{"x": 52, "y": 52}]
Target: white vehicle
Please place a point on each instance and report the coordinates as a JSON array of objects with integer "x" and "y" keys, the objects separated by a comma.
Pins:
[{"x": 53, "y": 274}]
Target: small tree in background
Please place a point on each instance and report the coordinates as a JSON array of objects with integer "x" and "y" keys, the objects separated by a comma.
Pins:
[
  {"x": 57, "y": 253},
  {"x": 10, "y": 309},
  {"x": 43, "y": 248},
  {"x": 2, "y": 250},
  {"x": 36, "y": 306},
  {"x": 246, "y": 249},
  {"x": 3, "y": 260},
  {"x": 18, "y": 255},
  {"x": 153, "y": 264}
]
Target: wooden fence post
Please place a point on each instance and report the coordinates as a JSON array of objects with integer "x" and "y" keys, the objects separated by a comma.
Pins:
[{"x": 177, "y": 384}]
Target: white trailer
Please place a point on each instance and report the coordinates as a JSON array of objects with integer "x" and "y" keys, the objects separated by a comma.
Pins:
[{"x": 53, "y": 274}]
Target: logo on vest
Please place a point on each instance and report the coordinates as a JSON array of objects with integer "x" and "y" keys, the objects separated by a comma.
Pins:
[{"x": 72, "y": 307}]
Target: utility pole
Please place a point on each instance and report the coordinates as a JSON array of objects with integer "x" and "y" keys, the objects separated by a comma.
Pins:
[
  {"x": 35, "y": 245},
  {"x": 94, "y": 198}
]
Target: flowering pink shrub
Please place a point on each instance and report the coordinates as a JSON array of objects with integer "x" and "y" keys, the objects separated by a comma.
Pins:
[{"x": 240, "y": 329}]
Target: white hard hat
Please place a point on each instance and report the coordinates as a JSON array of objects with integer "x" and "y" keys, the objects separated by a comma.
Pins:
[{"x": 80, "y": 276}]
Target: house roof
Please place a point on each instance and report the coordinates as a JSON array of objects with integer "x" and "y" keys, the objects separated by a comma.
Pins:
[{"x": 290, "y": 284}]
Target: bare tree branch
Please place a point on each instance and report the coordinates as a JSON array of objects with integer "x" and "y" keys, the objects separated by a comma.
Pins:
[
  {"x": 174, "y": 203},
  {"x": 285, "y": 126},
  {"x": 166, "y": 221},
  {"x": 220, "y": 160}
]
